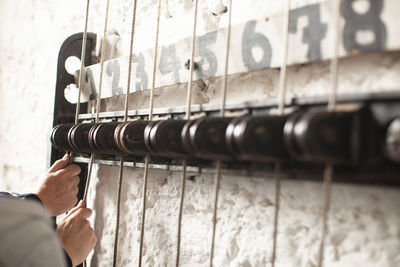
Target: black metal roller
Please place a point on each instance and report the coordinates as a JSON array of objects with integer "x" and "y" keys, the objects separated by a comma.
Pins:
[
  {"x": 164, "y": 138},
  {"x": 59, "y": 137},
  {"x": 129, "y": 137},
  {"x": 323, "y": 136},
  {"x": 78, "y": 137},
  {"x": 289, "y": 138},
  {"x": 229, "y": 136},
  {"x": 205, "y": 138},
  {"x": 185, "y": 137},
  {"x": 146, "y": 136},
  {"x": 102, "y": 138},
  {"x": 392, "y": 141},
  {"x": 257, "y": 138},
  {"x": 92, "y": 144}
]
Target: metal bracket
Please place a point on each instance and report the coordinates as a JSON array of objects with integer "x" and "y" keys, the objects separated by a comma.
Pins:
[{"x": 64, "y": 111}]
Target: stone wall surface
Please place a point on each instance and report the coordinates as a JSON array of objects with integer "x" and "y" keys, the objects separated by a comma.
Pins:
[{"x": 364, "y": 221}]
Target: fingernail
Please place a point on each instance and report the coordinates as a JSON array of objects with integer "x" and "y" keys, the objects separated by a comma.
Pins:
[{"x": 65, "y": 156}]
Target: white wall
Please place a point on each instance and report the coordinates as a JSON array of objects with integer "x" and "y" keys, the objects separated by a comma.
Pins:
[{"x": 364, "y": 220}]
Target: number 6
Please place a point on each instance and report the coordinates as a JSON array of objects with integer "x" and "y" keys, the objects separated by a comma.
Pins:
[{"x": 250, "y": 40}]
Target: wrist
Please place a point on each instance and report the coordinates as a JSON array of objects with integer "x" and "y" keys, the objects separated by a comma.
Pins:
[
  {"x": 71, "y": 259},
  {"x": 30, "y": 196},
  {"x": 43, "y": 200},
  {"x": 68, "y": 259}
]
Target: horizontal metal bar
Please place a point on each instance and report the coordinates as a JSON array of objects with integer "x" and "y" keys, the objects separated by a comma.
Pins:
[
  {"x": 191, "y": 170},
  {"x": 385, "y": 175},
  {"x": 267, "y": 103},
  {"x": 109, "y": 162}
]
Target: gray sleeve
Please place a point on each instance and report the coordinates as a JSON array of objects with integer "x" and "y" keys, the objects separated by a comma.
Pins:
[{"x": 27, "y": 237}]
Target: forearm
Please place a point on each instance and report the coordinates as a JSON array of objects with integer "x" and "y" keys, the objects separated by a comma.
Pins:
[{"x": 34, "y": 197}]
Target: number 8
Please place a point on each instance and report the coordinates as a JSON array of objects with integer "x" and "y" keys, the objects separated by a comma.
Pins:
[{"x": 360, "y": 22}]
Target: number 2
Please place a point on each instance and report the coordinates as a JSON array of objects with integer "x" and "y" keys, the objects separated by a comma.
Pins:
[{"x": 89, "y": 79}]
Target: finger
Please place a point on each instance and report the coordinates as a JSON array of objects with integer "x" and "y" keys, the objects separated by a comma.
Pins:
[
  {"x": 75, "y": 180},
  {"x": 83, "y": 213},
  {"x": 59, "y": 164},
  {"x": 73, "y": 210},
  {"x": 93, "y": 242},
  {"x": 85, "y": 224},
  {"x": 74, "y": 198},
  {"x": 77, "y": 207},
  {"x": 75, "y": 190},
  {"x": 71, "y": 170},
  {"x": 81, "y": 204}
]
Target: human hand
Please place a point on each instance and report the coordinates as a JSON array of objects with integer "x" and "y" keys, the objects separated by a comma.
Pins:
[
  {"x": 60, "y": 187},
  {"x": 76, "y": 234}
]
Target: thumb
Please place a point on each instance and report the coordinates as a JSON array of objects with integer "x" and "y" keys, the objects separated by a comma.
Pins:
[
  {"x": 59, "y": 164},
  {"x": 83, "y": 213},
  {"x": 81, "y": 204}
]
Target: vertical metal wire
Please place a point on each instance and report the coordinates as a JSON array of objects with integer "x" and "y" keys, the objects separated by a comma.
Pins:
[
  {"x": 82, "y": 69},
  {"x": 277, "y": 187},
  {"x": 151, "y": 105},
  {"x": 228, "y": 43},
  {"x": 191, "y": 64},
  {"x": 144, "y": 196},
  {"x": 180, "y": 215},
  {"x": 83, "y": 55},
  {"x": 121, "y": 166},
  {"x": 188, "y": 113},
  {"x": 102, "y": 59},
  {"x": 117, "y": 216},
  {"x": 328, "y": 173},
  {"x": 128, "y": 86},
  {"x": 99, "y": 94},
  {"x": 283, "y": 72},
  {"x": 88, "y": 178},
  {"x": 217, "y": 180},
  {"x": 281, "y": 107},
  {"x": 336, "y": 6},
  {"x": 89, "y": 174},
  {"x": 147, "y": 159}
]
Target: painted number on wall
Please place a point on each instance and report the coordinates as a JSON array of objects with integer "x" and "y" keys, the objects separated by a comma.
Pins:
[{"x": 257, "y": 45}]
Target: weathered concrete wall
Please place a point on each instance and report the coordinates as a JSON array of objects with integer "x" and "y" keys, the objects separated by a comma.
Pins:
[{"x": 364, "y": 222}]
